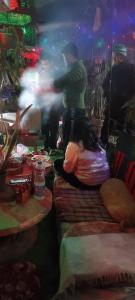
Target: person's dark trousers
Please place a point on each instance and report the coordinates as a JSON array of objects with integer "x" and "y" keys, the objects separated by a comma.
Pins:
[
  {"x": 110, "y": 127},
  {"x": 70, "y": 115},
  {"x": 114, "y": 119},
  {"x": 53, "y": 127},
  {"x": 71, "y": 178},
  {"x": 50, "y": 125},
  {"x": 105, "y": 129},
  {"x": 45, "y": 126}
]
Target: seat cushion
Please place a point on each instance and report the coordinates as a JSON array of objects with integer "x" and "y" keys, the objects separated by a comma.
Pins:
[
  {"x": 97, "y": 261},
  {"x": 126, "y": 293},
  {"x": 118, "y": 201},
  {"x": 74, "y": 205}
]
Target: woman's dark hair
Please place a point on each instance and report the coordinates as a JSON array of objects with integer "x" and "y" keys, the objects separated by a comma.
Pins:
[{"x": 82, "y": 130}]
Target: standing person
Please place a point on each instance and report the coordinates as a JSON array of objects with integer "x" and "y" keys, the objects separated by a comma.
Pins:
[
  {"x": 119, "y": 88},
  {"x": 85, "y": 165},
  {"x": 73, "y": 84}
]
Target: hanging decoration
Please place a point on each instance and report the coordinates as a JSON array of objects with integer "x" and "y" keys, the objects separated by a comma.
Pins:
[
  {"x": 14, "y": 19},
  {"x": 100, "y": 43},
  {"x": 29, "y": 35},
  {"x": 31, "y": 55},
  {"x": 97, "y": 20},
  {"x": 24, "y": 3},
  {"x": 13, "y": 4}
]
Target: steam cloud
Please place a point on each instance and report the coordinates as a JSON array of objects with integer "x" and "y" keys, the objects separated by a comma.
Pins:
[
  {"x": 33, "y": 81},
  {"x": 41, "y": 77}
]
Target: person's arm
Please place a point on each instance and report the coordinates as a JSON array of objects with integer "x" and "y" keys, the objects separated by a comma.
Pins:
[
  {"x": 71, "y": 77},
  {"x": 43, "y": 91},
  {"x": 71, "y": 157},
  {"x": 61, "y": 82}
]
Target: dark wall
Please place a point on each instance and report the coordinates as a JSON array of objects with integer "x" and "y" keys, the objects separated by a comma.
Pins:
[{"x": 67, "y": 10}]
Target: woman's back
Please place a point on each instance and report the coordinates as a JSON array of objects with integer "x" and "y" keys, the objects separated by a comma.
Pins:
[{"x": 90, "y": 167}]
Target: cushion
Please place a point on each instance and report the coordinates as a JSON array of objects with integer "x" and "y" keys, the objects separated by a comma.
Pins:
[
  {"x": 118, "y": 201},
  {"x": 97, "y": 261},
  {"x": 126, "y": 293},
  {"x": 74, "y": 205},
  {"x": 95, "y": 227}
]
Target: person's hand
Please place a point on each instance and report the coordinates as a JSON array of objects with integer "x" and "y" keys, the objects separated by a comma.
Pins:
[
  {"x": 60, "y": 144},
  {"x": 43, "y": 91}
]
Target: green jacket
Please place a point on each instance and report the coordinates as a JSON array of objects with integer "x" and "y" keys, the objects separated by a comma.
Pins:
[{"x": 73, "y": 84}]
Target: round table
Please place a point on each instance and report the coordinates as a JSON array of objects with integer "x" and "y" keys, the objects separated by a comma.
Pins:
[
  {"x": 18, "y": 225},
  {"x": 16, "y": 217}
]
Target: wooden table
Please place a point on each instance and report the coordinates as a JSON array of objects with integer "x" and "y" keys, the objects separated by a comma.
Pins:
[
  {"x": 18, "y": 226},
  {"x": 16, "y": 217}
]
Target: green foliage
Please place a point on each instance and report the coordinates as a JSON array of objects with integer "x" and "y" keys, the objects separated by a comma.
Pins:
[
  {"x": 29, "y": 35},
  {"x": 14, "y": 19}
]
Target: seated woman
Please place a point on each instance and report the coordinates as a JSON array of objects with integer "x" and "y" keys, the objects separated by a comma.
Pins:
[{"x": 85, "y": 165}]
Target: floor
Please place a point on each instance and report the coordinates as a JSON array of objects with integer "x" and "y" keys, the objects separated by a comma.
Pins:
[{"x": 45, "y": 256}]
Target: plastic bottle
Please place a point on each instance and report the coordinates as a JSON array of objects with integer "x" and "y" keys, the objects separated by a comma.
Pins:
[{"x": 39, "y": 180}]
